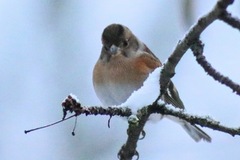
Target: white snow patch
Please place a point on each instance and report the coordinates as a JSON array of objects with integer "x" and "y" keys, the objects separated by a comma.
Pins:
[{"x": 147, "y": 94}]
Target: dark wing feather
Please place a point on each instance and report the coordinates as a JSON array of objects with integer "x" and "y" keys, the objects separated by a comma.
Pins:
[{"x": 172, "y": 97}]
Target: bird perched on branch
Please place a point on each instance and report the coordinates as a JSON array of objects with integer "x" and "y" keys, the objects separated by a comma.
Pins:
[{"x": 124, "y": 64}]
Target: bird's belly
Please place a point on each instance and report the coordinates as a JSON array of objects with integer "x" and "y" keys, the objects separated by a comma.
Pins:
[{"x": 114, "y": 94}]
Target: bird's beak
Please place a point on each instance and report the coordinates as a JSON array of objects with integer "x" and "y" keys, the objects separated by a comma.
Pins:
[{"x": 113, "y": 49}]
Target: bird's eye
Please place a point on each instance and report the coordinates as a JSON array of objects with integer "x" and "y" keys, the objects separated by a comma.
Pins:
[{"x": 125, "y": 43}]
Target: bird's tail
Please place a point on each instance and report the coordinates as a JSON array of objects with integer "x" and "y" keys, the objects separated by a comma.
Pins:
[{"x": 195, "y": 132}]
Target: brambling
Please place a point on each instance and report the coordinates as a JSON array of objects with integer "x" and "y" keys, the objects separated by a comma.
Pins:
[{"x": 124, "y": 64}]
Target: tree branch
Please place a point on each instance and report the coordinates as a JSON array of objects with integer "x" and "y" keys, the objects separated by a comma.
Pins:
[
  {"x": 229, "y": 19},
  {"x": 197, "y": 49},
  {"x": 71, "y": 104},
  {"x": 202, "y": 121},
  {"x": 135, "y": 129},
  {"x": 168, "y": 70},
  {"x": 128, "y": 150}
]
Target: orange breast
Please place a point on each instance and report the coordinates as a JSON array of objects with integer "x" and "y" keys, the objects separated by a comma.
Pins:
[{"x": 114, "y": 81}]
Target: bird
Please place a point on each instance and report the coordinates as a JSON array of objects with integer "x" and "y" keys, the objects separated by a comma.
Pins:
[{"x": 124, "y": 64}]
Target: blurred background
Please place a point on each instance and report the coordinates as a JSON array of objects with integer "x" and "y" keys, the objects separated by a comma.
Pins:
[{"x": 48, "y": 50}]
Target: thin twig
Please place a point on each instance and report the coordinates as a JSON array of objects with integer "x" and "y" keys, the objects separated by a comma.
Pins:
[{"x": 34, "y": 129}]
